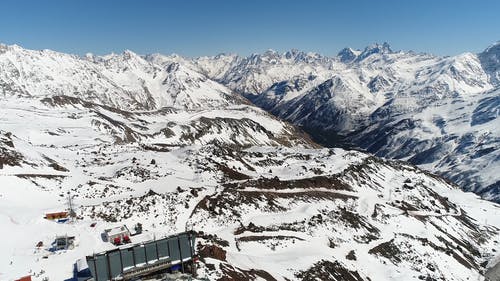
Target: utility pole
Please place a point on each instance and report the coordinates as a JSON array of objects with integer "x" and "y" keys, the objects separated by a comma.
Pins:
[{"x": 71, "y": 207}]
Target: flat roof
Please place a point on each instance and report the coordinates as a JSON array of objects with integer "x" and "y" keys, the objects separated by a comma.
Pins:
[{"x": 117, "y": 230}]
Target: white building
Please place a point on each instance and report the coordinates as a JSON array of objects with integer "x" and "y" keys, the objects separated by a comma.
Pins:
[{"x": 120, "y": 233}]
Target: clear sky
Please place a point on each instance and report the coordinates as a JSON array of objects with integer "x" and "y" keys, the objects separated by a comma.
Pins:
[{"x": 194, "y": 28}]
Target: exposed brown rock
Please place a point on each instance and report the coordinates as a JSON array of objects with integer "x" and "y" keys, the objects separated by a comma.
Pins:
[
  {"x": 231, "y": 273},
  {"x": 212, "y": 251}
]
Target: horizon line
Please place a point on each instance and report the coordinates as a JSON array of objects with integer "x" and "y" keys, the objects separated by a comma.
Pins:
[{"x": 281, "y": 52}]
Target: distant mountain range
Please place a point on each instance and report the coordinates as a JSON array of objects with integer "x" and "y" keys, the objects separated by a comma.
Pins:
[{"x": 440, "y": 113}]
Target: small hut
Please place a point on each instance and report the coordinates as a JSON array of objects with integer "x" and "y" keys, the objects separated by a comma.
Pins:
[
  {"x": 56, "y": 216},
  {"x": 64, "y": 242}
]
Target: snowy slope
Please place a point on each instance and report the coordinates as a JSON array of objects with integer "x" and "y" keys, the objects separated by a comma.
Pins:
[
  {"x": 348, "y": 100},
  {"x": 430, "y": 104},
  {"x": 457, "y": 137},
  {"x": 61, "y": 144},
  {"x": 265, "y": 202},
  {"x": 159, "y": 140}
]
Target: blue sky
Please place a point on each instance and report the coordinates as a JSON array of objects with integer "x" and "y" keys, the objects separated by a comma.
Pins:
[{"x": 194, "y": 28}]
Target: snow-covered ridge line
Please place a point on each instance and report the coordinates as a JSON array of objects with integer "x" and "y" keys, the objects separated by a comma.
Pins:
[
  {"x": 125, "y": 81},
  {"x": 438, "y": 109},
  {"x": 217, "y": 171},
  {"x": 441, "y": 112}
]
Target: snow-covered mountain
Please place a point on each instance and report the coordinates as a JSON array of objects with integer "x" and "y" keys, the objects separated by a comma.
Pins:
[
  {"x": 353, "y": 99},
  {"x": 437, "y": 112},
  {"x": 254, "y": 74},
  {"x": 168, "y": 142},
  {"x": 126, "y": 81},
  {"x": 490, "y": 59},
  {"x": 266, "y": 203}
]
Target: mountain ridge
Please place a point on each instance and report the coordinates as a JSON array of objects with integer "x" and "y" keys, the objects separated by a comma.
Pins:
[
  {"x": 258, "y": 201},
  {"x": 335, "y": 103},
  {"x": 335, "y": 99},
  {"x": 154, "y": 140}
]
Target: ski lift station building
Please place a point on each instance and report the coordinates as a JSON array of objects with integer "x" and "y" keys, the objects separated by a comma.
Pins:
[{"x": 142, "y": 259}]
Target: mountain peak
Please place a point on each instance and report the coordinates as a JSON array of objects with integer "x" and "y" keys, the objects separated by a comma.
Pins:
[
  {"x": 493, "y": 47},
  {"x": 128, "y": 54},
  {"x": 298, "y": 55},
  {"x": 90, "y": 57},
  {"x": 269, "y": 52},
  {"x": 224, "y": 55},
  {"x": 376, "y": 48},
  {"x": 347, "y": 55},
  {"x": 292, "y": 53},
  {"x": 5, "y": 47},
  {"x": 490, "y": 60}
]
